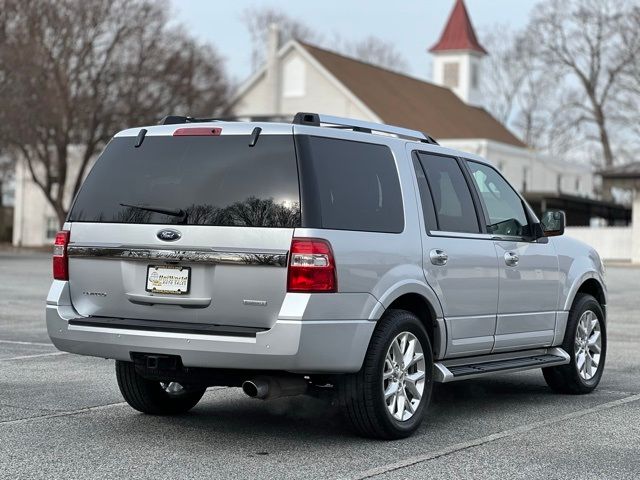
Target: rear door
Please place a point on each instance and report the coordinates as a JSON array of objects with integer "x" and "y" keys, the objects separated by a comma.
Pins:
[
  {"x": 186, "y": 229},
  {"x": 459, "y": 259},
  {"x": 529, "y": 272}
]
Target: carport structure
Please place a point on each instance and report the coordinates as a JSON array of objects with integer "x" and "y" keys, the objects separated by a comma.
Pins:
[{"x": 626, "y": 177}]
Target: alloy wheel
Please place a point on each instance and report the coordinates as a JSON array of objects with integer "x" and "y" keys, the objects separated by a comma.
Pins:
[
  {"x": 172, "y": 388},
  {"x": 403, "y": 376},
  {"x": 588, "y": 345}
]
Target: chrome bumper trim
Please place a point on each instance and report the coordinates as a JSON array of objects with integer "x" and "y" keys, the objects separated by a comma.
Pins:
[{"x": 271, "y": 259}]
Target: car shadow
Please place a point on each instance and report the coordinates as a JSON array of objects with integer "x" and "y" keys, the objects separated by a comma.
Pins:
[{"x": 230, "y": 414}]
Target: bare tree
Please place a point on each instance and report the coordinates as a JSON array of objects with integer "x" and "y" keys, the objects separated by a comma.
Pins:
[
  {"x": 258, "y": 21},
  {"x": 374, "y": 50},
  {"x": 504, "y": 71},
  {"x": 593, "y": 42},
  {"x": 627, "y": 104},
  {"x": 370, "y": 49},
  {"x": 72, "y": 73}
]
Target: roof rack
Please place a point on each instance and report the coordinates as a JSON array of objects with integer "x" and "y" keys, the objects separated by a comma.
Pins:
[
  {"x": 316, "y": 120},
  {"x": 177, "y": 119}
]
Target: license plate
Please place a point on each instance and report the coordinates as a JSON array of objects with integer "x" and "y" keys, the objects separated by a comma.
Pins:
[{"x": 168, "y": 279}]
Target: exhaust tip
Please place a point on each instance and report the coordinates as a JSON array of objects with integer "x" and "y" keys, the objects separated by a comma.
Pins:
[{"x": 255, "y": 388}]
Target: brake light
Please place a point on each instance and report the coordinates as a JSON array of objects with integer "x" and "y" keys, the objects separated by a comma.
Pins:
[
  {"x": 60, "y": 259},
  {"x": 312, "y": 268},
  {"x": 197, "y": 132}
]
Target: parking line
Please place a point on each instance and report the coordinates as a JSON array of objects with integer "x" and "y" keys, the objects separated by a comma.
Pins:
[
  {"x": 16, "y": 342},
  {"x": 492, "y": 438},
  {"x": 37, "y": 355},
  {"x": 62, "y": 414},
  {"x": 72, "y": 412}
]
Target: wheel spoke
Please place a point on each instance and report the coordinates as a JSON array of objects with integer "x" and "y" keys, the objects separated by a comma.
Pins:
[
  {"x": 401, "y": 406},
  {"x": 392, "y": 389},
  {"x": 392, "y": 404},
  {"x": 580, "y": 361},
  {"x": 413, "y": 390},
  {"x": 397, "y": 351},
  {"x": 416, "y": 358},
  {"x": 408, "y": 405},
  {"x": 415, "y": 377},
  {"x": 588, "y": 364},
  {"x": 408, "y": 355}
]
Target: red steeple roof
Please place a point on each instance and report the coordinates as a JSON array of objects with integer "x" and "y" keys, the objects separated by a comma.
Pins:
[{"x": 459, "y": 33}]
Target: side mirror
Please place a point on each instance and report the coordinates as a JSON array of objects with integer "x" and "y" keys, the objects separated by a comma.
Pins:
[{"x": 553, "y": 223}]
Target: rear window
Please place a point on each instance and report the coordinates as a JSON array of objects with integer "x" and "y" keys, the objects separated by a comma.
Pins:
[
  {"x": 217, "y": 181},
  {"x": 349, "y": 185}
]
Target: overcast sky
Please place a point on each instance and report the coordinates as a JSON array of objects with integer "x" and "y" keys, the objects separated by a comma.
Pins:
[{"x": 412, "y": 25}]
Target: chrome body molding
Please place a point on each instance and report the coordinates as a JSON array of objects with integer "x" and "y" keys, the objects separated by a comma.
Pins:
[{"x": 271, "y": 259}]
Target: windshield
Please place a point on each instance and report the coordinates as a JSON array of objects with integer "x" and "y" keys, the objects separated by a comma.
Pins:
[{"x": 217, "y": 180}]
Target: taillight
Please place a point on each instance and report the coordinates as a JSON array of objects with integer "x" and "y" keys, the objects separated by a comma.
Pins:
[
  {"x": 312, "y": 268},
  {"x": 60, "y": 259}
]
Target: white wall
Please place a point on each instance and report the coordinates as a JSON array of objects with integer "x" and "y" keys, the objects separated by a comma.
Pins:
[
  {"x": 521, "y": 164},
  {"x": 313, "y": 92},
  {"x": 612, "y": 243}
]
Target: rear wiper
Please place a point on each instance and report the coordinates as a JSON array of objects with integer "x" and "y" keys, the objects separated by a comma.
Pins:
[{"x": 162, "y": 210}]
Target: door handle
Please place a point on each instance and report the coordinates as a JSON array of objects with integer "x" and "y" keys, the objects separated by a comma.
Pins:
[
  {"x": 511, "y": 259},
  {"x": 438, "y": 257}
]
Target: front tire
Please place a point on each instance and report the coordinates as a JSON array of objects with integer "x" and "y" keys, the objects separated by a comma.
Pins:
[
  {"x": 585, "y": 341},
  {"x": 388, "y": 397},
  {"x": 154, "y": 398}
]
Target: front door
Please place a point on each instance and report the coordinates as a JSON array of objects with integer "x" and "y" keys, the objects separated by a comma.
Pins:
[
  {"x": 459, "y": 259},
  {"x": 529, "y": 272}
]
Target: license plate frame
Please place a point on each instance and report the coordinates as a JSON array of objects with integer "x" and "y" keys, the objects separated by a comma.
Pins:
[{"x": 164, "y": 288}]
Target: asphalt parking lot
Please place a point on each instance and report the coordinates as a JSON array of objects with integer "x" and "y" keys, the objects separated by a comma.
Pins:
[{"x": 61, "y": 415}]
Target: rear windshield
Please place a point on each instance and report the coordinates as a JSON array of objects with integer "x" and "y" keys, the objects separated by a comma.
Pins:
[{"x": 218, "y": 181}]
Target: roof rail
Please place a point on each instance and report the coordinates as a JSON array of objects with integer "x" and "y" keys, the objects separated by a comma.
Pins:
[{"x": 316, "y": 120}]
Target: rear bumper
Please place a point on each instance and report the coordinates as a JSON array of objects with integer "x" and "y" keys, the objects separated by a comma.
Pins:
[{"x": 292, "y": 344}]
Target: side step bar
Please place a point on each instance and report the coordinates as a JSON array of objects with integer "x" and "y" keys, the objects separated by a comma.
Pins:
[{"x": 458, "y": 369}]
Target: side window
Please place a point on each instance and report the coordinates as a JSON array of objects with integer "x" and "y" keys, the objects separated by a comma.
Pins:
[
  {"x": 351, "y": 185},
  {"x": 428, "y": 211},
  {"x": 504, "y": 207},
  {"x": 452, "y": 200}
]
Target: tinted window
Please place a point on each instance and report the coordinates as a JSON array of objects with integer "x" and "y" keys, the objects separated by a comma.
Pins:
[
  {"x": 452, "y": 200},
  {"x": 428, "y": 211},
  {"x": 349, "y": 185},
  {"x": 504, "y": 207},
  {"x": 213, "y": 180}
]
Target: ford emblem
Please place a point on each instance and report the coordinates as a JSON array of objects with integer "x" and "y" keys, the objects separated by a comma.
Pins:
[{"x": 169, "y": 235}]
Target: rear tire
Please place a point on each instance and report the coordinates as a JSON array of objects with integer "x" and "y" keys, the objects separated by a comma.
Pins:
[
  {"x": 152, "y": 397},
  {"x": 365, "y": 395},
  {"x": 585, "y": 341}
]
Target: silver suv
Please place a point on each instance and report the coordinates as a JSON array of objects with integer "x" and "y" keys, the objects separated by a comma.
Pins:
[{"x": 327, "y": 255}]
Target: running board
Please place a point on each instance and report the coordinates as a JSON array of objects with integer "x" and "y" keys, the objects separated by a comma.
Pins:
[{"x": 458, "y": 369}]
